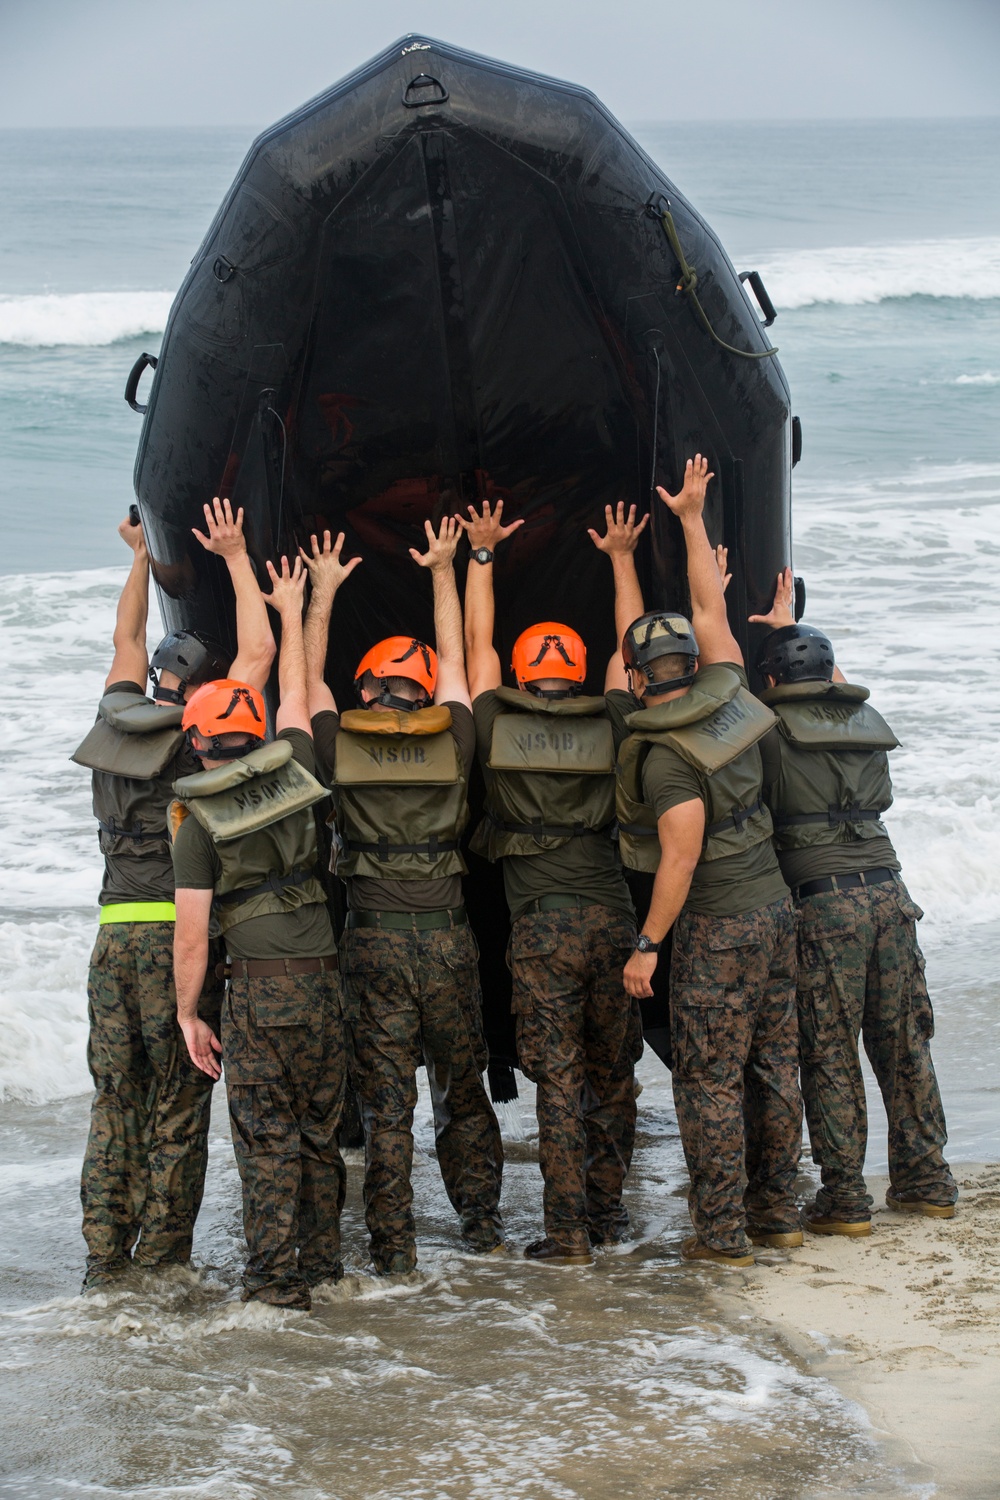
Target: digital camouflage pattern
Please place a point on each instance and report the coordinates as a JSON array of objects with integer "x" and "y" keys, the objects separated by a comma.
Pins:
[
  {"x": 579, "y": 1037},
  {"x": 414, "y": 998},
  {"x": 735, "y": 1074},
  {"x": 144, "y": 1167},
  {"x": 284, "y": 1051},
  {"x": 861, "y": 972}
]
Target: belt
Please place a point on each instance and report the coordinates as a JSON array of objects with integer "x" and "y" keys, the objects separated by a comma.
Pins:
[
  {"x": 409, "y": 921},
  {"x": 842, "y": 882},
  {"x": 832, "y": 817},
  {"x": 557, "y": 903},
  {"x": 136, "y": 833},
  {"x": 138, "y": 911},
  {"x": 276, "y": 968}
]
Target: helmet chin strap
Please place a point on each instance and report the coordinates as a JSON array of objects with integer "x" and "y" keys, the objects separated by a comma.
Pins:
[
  {"x": 169, "y": 695},
  {"x": 654, "y": 689},
  {"x": 573, "y": 691},
  {"x": 386, "y": 699},
  {"x": 223, "y": 752}
]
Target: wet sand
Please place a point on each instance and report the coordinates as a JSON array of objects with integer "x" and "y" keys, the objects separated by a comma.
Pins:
[{"x": 908, "y": 1323}]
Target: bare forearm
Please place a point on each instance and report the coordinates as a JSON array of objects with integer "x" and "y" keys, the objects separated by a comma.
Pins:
[
  {"x": 670, "y": 889},
  {"x": 254, "y": 640},
  {"x": 707, "y": 597},
  {"x": 190, "y": 968},
  {"x": 628, "y": 593},
  {"x": 133, "y": 606},
  {"x": 447, "y": 617},
  {"x": 479, "y": 607},
  {"x": 316, "y": 632}
]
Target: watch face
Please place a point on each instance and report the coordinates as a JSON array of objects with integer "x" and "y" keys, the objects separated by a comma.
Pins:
[{"x": 483, "y": 555}]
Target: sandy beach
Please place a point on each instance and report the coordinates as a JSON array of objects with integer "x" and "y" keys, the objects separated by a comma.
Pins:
[{"x": 907, "y": 1323}]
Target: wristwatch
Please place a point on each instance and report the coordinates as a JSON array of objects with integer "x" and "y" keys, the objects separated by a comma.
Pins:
[
  {"x": 644, "y": 944},
  {"x": 482, "y": 555}
]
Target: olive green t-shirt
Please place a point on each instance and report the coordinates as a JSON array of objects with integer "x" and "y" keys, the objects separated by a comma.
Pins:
[
  {"x": 719, "y": 887},
  {"x": 368, "y": 892},
  {"x": 303, "y": 933},
  {"x": 142, "y": 871},
  {"x": 800, "y": 865},
  {"x": 587, "y": 867}
]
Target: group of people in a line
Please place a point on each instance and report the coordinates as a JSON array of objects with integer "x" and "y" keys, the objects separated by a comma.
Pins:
[{"x": 759, "y": 819}]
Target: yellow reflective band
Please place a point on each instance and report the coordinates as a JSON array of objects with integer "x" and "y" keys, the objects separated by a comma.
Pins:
[{"x": 138, "y": 911}]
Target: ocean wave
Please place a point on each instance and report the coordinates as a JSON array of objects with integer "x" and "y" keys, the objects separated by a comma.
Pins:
[
  {"x": 855, "y": 274},
  {"x": 986, "y": 378},
  {"x": 48, "y": 320}
]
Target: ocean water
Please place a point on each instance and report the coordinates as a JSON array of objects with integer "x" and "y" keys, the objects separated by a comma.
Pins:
[{"x": 880, "y": 245}]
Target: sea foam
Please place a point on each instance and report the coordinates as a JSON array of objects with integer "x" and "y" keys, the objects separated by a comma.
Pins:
[
  {"x": 855, "y": 274},
  {"x": 81, "y": 318}
]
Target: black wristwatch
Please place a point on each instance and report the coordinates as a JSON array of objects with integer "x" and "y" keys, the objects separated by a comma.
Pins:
[
  {"x": 482, "y": 555},
  {"x": 644, "y": 944}
]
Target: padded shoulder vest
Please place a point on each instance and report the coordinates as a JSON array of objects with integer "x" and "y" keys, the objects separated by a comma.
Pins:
[
  {"x": 133, "y": 736},
  {"x": 715, "y": 727},
  {"x": 833, "y": 782},
  {"x": 551, "y": 765},
  {"x": 131, "y": 745},
  {"x": 257, "y": 811},
  {"x": 400, "y": 795}
]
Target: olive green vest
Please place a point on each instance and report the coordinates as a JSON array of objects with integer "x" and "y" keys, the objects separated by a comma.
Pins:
[
  {"x": 258, "y": 812},
  {"x": 400, "y": 795},
  {"x": 715, "y": 727},
  {"x": 132, "y": 743},
  {"x": 551, "y": 766},
  {"x": 833, "y": 780}
]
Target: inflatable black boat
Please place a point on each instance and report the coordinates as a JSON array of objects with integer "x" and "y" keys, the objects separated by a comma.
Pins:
[{"x": 447, "y": 278}]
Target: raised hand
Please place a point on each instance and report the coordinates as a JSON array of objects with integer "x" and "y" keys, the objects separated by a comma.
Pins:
[
  {"x": 782, "y": 611},
  {"x": 722, "y": 562},
  {"x": 441, "y": 547},
  {"x": 622, "y": 535},
  {"x": 487, "y": 530},
  {"x": 225, "y": 536},
  {"x": 326, "y": 571},
  {"x": 691, "y": 499},
  {"x": 133, "y": 536},
  {"x": 287, "y": 587}
]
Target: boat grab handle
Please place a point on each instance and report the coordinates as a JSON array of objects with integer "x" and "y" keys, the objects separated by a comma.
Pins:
[
  {"x": 760, "y": 292},
  {"x": 134, "y": 376},
  {"x": 424, "y": 81}
]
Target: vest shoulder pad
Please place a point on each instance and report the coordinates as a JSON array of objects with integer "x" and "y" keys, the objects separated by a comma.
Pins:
[
  {"x": 131, "y": 714},
  {"x": 380, "y": 759},
  {"x": 583, "y": 745},
  {"x": 721, "y": 736},
  {"x": 257, "y": 763},
  {"x": 527, "y": 703},
  {"x": 830, "y": 723},
  {"x": 254, "y": 803},
  {"x": 140, "y": 757},
  {"x": 434, "y": 720},
  {"x": 797, "y": 692},
  {"x": 712, "y": 688}
]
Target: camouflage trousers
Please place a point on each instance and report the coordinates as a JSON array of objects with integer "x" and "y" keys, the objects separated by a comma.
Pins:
[
  {"x": 285, "y": 1058},
  {"x": 144, "y": 1168},
  {"x": 735, "y": 1075},
  {"x": 578, "y": 1039},
  {"x": 414, "y": 998},
  {"x": 861, "y": 971}
]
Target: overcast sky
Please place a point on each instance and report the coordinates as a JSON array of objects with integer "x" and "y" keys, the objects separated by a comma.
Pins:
[{"x": 247, "y": 62}]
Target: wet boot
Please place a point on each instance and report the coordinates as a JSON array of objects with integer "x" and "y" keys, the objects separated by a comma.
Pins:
[
  {"x": 818, "y": 1222},
  {"x": 782, "y": 1239},
  {"x": 906, "y": 1203},
  {"x": 551, "y": 1253},
  {"x": 694, "y": 1250}
]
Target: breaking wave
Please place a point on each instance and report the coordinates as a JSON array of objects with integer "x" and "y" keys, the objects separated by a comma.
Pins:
[
  {"x": 48, "y": 320},
  {"x": 856, "y": 274}
]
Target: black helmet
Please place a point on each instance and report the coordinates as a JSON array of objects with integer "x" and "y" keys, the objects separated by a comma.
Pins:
[
  {"x": 660, "y": 634},
  {"x": 191, "y": 656},
  {"x": 797, "y": 653}
]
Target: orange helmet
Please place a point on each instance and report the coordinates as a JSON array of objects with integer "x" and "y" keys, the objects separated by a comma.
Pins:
[
  {"x": 222, "y": 708},
  {"x": 549, "y": 650},
  {"x": 399, "y": 656}
]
